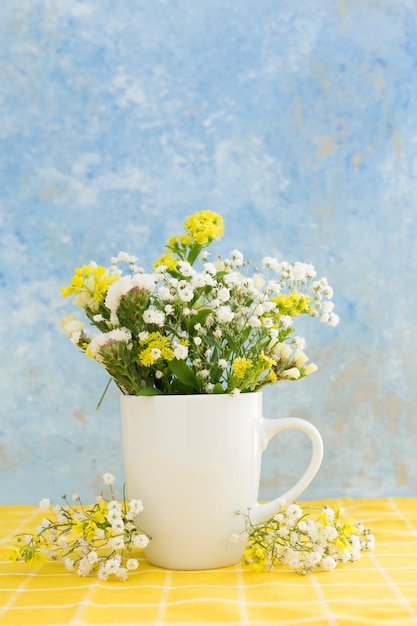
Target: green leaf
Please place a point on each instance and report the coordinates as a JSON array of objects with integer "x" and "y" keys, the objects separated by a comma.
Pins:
[
  {"x": 218, "y": 388},
  {"x": 181, "y": 370},
  {"x": 149, "y": 391}
]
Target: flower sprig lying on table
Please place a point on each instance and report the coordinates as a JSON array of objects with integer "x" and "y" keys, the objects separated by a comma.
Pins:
[
  {"x": 100, "y": 539},
  {"x": 303, "y": 542},
  {"x": 194, "y": 326}
]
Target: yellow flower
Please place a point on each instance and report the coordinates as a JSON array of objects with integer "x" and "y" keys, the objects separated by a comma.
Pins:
[
  {"x": 157, "y": 347},
  {"x": 293, "y": 304},
  {"x": 179, "y": 241},
  {"x": 90, "y": 283},
  {"x": 167, "y": 259},
  {"x": 204, "y": 227},
  {"x": 349, "y": 527},
  {"x": 241, "y": 366}
]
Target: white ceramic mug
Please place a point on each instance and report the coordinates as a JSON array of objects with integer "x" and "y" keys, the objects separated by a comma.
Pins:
[{"x": 195, "y": 462}]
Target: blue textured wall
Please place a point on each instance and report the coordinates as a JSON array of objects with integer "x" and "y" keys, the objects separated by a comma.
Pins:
[{"x": 297, "y": 122}]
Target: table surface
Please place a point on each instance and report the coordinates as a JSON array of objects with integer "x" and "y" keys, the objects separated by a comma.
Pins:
[{"x": 379, "y": 589}]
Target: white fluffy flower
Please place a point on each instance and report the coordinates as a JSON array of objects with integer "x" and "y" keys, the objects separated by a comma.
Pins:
[
  {"x": 180, "y": 351},
  {"x": 224, "y": 314},
  {"x": 223, "y": 294},
  {"x": 154, "y": 316},
  {"x": 135, "y": 506},
  {"x": 44, "y": 504},
  {"x": 186, "y": 294},
  {"x": 140, "y": 541},
  {"x": 108, "y": 479},
  {"x": 102, "y": 339},
  {"x": 328, "y": 563}
]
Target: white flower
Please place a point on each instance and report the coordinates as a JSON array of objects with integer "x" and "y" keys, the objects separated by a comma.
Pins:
[
  {"x": 292, "y": 373},
  {"x": 116, "y": 543},
  {"x": 140, "y": 541},
  {"x": 222, "y": 363},
  {"x": 223, "y": 294},
  {"x": 71, "y": 325},
  {"x": 224, "y": 314},
  {"x": 84, "y": 567},
  {"x": 108, "y": 479},
  {"x": 69, "y": 564},
  {"x": 154, "y": 316},
  {"x": 309, "y": 369},
  {"x": 299, "y": 357},
  {"x": 159, "y": 374},
  {"x": 210, "y": 268},
  {"x": 198, "y": 341},
  {"x": 328, "y": 563},
  {"x": 118, "y": 334},
  {"x": 299, "y": 342},
  {"x": 186, "y": 294},
  {"x": 271, "y": 263},
  {"x": 136, "y": 506},
  {"x": 155, "y": 353},
  {"x": 92, "y": 556},
  {"x": 285, "y": 321},
  {"x": 132, "y": 564},
  {"x": 333, "y": 319},
  {"x": 330, "y": 532},
  {"x": 44, "y": 504},
  {"x": 186, "y": 269},
  {"x": 180, "y": 351},
  {"x": 255, "y": 322}
]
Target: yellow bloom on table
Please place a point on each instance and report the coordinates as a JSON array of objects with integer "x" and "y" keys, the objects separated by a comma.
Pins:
[{"x": 204, "y": 227}]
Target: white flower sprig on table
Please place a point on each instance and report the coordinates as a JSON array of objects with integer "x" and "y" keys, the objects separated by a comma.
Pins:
[
  {"x": 305, "y": 542},
  {"x": 99, "y": 540},
  {"x": 191, "y": 327}
]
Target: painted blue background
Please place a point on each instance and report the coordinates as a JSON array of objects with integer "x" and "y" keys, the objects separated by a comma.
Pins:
[{"x": 298, "y": 123}]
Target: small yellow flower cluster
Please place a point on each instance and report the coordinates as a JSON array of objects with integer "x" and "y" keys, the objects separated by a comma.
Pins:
[
  {"x": 97, "y": 540},
  {"x": 204, "y": 227},
  {"x": 158, "y": 348},
  {"x": 90, "y": 283},
  {"x": 304, "y": 542},
  {"x": 293, "y": 304}
]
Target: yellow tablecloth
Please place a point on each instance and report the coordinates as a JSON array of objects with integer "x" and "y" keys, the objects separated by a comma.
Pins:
[{"x": 379, "y": 589}]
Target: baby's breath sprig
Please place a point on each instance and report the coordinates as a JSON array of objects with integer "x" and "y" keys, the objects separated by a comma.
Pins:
[
  {"x": 305, "y": 542},
  {"x": 97, "y": 540}
]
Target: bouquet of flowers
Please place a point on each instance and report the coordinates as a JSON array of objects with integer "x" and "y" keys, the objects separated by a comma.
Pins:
[{"x": 192, "y": 326}]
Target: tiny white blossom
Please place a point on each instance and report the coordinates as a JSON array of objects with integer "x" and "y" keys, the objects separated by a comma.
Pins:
[
  {"x": 44, "y": 504},
  {"x": 140, "y": 541},
  {"x": 108, "y": 479}
]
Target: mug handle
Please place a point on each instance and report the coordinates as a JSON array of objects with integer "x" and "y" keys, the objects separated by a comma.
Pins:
[{"x": 270, "y": 427}]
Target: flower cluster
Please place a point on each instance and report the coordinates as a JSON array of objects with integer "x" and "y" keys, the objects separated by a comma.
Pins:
[
  {"x": 194, "y": 326},
  {"x": 97, "y": 540},
  {"x": 303, "y": 542}
]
